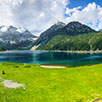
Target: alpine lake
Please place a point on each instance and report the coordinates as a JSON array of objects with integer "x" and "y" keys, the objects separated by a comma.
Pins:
[{"x": 50, "y": 58}]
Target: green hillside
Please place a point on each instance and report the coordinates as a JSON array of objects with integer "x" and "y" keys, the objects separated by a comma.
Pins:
[{"x": 84, "y": 42}]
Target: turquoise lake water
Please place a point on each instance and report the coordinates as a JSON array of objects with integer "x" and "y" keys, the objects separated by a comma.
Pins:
[{"x": 57, "y": 58}]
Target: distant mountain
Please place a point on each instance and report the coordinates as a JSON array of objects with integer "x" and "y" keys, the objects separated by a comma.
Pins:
[
  {"x": 73, "y": 37},
  {"x": 49, "y": 33},
  {"x": 75, "y": 28},
  {"x": 12, "y": 38},
  {"x": 71, "y": 29}
]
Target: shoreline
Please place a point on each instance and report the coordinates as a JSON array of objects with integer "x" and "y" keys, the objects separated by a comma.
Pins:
[
  {"x": 83, "y": 52},
  {"x": 80, "y": 52}
]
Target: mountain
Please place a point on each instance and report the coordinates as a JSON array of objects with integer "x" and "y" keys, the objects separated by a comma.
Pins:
[
  {"x": 45, "y": 36},
  {"x": 71, "y": 29},
  {"x": 12, "y": 38},
  {"x": 75, "y": 28}
]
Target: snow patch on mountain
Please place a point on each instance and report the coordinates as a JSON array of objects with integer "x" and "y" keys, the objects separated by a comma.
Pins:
[
  {"x": 21, "y": 30},
  {"x": 4, "y": 28}
]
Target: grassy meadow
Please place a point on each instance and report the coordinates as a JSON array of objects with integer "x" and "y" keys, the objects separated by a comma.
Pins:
[{"x": 77, "y": 84}]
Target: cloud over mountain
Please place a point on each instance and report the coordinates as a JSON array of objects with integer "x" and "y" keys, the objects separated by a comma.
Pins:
[
  {"x": 36, "y": 15},
  {"x": 90, "y": 15}
]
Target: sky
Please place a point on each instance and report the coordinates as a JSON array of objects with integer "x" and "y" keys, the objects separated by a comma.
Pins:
[{"x": 39, "y": 15}]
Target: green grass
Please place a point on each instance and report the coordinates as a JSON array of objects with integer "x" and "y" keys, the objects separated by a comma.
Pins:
[{"x": 79, "y": 84}]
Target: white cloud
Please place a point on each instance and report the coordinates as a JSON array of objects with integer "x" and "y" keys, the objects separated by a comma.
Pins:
[
  {"x": 90, "y": 15},
  {"x": 38, "y": 15},
  {"x": 5, "y": 14},
  {"x": 35, "y": 15},
  {"x": 70, "y": 11}
]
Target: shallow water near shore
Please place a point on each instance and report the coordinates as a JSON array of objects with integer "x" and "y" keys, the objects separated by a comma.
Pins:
[{"x": 55, "y": 58}]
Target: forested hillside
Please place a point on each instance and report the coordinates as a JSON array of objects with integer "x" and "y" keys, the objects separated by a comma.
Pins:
[
  {"x": 85, "y": 42},
  {"x": 72, "y": 36}
]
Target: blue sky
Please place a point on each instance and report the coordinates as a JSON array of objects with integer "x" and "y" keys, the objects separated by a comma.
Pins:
[{"x": 83, "y": 3}]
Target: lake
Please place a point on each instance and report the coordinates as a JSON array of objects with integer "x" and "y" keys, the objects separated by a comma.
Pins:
[{"x": 57, "y": 58}]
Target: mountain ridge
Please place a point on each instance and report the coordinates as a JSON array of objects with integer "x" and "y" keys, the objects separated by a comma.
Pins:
[
  {"x": 71, "y": 29},
  {"x": 11, "y": 38}
]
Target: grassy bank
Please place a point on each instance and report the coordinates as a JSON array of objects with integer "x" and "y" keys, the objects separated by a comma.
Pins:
[{"x": 79, "y": 84}]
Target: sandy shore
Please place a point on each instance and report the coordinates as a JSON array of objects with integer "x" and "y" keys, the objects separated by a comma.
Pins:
[{"x": 52, "y": 66}]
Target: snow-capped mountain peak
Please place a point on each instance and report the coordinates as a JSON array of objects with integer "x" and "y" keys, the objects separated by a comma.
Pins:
[
  {"x": 9, "y": 28},
  {"x": 21, "y": 30},
  {"x": 13, "y": 38},
  {"x": 4, "y": 28}
]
